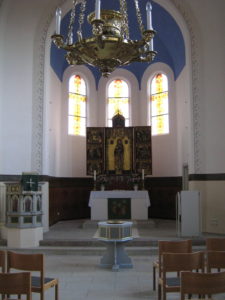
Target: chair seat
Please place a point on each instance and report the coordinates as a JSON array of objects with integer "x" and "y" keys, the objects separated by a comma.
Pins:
[
  {"x": 36, "y": 281},
  {"x": 173, "y": 281},
  {"x": 33, "y": 262}
]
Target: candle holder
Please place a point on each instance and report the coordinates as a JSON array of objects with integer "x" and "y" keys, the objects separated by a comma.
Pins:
[
  {"x": 95, "y": 186},
  {"x": 97, "y": 27},
  {"x": 143, "y": 184},
  {"x": 148, "y": 35},
  {"x": 109, "y": 46}
]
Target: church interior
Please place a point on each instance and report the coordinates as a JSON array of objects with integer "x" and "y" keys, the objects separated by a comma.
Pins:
[{"x": 115, "y": 113}]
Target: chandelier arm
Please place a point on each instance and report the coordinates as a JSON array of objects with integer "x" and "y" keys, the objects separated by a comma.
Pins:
[
  {"x": 125, "y": 27},
  {"x": 110, "y": 46},
  {"x": 139, "y": 18}
]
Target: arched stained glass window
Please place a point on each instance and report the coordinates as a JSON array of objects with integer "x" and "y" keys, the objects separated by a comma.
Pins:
[
  {"x": 159, "y": 105},
  {"x": 118, "y": 100},
  {"x": 77, "y": 106}
]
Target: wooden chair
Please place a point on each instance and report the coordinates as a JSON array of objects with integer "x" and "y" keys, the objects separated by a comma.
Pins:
[
  {"x": 215, "y": 260},
  {"x": 181, "y": 246},
  {"x": 2, "y": 261},
  {"x": 202, "y": 284},
  {"x": 172, "y": 265},
  {"x": 15, "y": 284},
  {"x": 32, "y": 263},
  {"x": 215, "y": 244}
]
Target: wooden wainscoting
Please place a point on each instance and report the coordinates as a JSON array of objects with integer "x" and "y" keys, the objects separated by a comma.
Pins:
[
  {"x": 162, "y": 192},
  {"x": 68, "y": 197}
]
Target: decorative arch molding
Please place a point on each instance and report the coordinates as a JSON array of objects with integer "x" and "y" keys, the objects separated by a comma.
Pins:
[
  {"x": 38, "y": 80},
  {"x": 195, "y": 63},
  {"x": 38, "y": 86}
]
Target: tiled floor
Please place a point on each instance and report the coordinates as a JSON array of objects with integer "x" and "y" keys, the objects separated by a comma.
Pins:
[
  {"x": 78, "y": 267},
  {"x": 81, "y": 277}
]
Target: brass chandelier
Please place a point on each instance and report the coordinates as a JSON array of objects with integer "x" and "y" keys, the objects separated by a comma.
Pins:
[{"x": 110, "y": 46}]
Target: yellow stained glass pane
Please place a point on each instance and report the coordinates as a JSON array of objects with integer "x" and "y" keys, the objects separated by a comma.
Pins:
[
  {"x": 76, "y": 125},
  {"x": 160, "y": 125},
  {"x": 77, "y": 85},
  {"x": 159, "y": 104},
  {"x": 77, "y": 106},
  {"x": 159, "y": 84},
  {"x": 118, "y": 88},
  {"x": 116, "y": 105},
  {"x": 118, "y": 100}
]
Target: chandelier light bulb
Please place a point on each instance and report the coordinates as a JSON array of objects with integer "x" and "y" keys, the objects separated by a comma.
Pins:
[
  {"x": 149, "y": 15},
  {"x": 109, "y": 46},
  {"x": 97, "y": 9},
  {"x": 58, "y": 16}
]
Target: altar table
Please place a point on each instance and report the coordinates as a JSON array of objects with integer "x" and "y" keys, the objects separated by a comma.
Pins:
[{"x": 98, "y": 203}]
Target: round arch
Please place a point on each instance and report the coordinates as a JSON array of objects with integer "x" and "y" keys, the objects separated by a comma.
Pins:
[
  {"x": 188, "y": 25},
  {"x": 132, "y": 82}
]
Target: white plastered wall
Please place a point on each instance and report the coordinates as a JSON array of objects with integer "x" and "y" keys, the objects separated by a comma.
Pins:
[
  {"x": 18, "y": 21},
  {"x": 18, "y": 27},
  {"x": 16, "y": 88},
  {"x": 72, "y": 160},
  {"x": 164, "y": 147},
  {"x": 212, "y": 204},
  {"x": 211, "y": 83},
  {"x": 69, "y": 157}
]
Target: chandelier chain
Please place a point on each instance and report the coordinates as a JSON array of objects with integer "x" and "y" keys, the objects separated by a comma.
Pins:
[
  {"x": 125, "y": 28},
  {"x": 138, "y": 13},
  {"x": 110, "y": 46},
  {"x": 81, "y": 16},
  {"x": 71, "y": 23}
]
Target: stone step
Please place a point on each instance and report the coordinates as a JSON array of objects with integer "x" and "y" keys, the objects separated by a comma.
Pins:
[
  {"x": 92, "y": 251},
  {"x": 139, "y": 242}
]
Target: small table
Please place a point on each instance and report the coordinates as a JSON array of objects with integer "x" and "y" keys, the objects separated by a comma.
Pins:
[{"x": 115, "y": 234}]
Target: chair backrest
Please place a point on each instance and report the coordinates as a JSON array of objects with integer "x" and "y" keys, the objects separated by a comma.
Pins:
[
  {"x": 181, "y": 246},
  {"x": 215, "y": 260},
  {"x": 177, "y": 262},
  {"x": 202, "y": 283},
  {"x": 26, "y": 262},
  {"x": 16, "y": 284},
  {"x": 2, "y": 261},
  {"x": 215, "y": 244}
]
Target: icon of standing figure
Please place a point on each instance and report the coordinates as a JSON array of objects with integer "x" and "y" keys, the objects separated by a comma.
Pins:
[{"x": 119, "y": 156}]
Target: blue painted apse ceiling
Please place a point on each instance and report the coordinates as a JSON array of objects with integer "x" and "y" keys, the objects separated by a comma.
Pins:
[{"x": 168, "y": 41}]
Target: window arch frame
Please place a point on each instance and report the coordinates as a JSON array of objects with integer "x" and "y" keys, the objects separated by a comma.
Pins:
[
  {"x": 87, "y": 75},
  {"x": 133, "y": 85},
  {"x": 145, "y": 111},
  {"x": 127, "y": 120},
  {"x": 86, "y": 99},
  {"x": 150, "y": 103}
]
